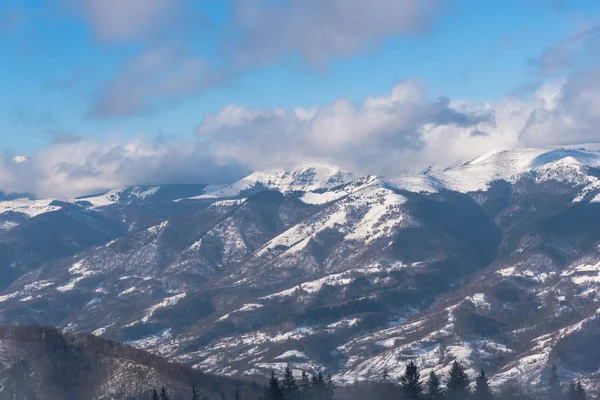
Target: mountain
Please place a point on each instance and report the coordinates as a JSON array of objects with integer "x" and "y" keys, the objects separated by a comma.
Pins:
[
  {"x": 45, "y": 364},
  {"x": 493, "y": 262}
]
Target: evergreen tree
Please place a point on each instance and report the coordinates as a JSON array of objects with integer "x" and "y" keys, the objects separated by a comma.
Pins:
[
  {"x": 163, "y": 394},
  {"x": 433, "y": 386},
  {"x": 458, "y": 383},
  {"x": 385, "y": 376},
  {"x": 581, "y": 395},
  {"x": 195, "y": 394},
  {"x": 329, "y": 388},
  {"x": 304, "y": 386},
  {"x": 288, "y": 385},
  {"x": 319, "y": 389},
  {"x": 237, "y": 394},
  {"x": 223, "y": 396},
  {"x": 410, "y": 382},
  {"x": 554, "y": 390},
  {"x": 154, "y": 394},
  {"x": 274, "y": 390},
  {"x": 482, "y": 387},
  {"x": 572, "y": 395}
]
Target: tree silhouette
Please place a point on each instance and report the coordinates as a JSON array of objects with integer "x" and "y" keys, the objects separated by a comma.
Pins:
[
  {"x": 433, "y": 386},
  {"x": 482, "y": 387},
  {"x": 163, "y": 394},
  {"x": 274, "y": 390},
  {"x": 410, "y": 382},
  {"x": 458, "y": 382},
  {"x": 554, "y": 389}
]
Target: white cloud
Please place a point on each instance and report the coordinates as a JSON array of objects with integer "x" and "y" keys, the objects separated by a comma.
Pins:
[
  {"x": 115, "y": 20},
  {"x": 404, "y": 129},
  {"x": 322, "y": 29},
  {"x": 382, "y": 135},
  {"x": 164, "y": 73},
  {"x": 73, "y": 168}
]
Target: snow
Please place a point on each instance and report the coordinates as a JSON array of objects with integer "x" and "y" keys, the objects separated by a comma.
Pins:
[
  {"x": 344, "y": 323},
  {"x": 377, "y": 222},
  {"x": 71, "y": 285},
  {"x": 479, "y": 300},
  {"x": 291, "y": 354},
  {"x": 304, "y": 178},
  {"x": 114, "y": 196},
  {"x": 128, "y": 291},
  {"x": 165, "y": 303},
  {"x": 158, "y": 228},
  {"x": 31, "y": 208},
  {"x": 563, "y": 165}
]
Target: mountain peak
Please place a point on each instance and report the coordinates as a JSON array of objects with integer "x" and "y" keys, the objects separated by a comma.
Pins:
[{"x": 305, "y": 178}]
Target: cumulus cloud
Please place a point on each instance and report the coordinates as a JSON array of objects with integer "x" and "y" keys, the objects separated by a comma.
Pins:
[
  {"x": 319, "y": 30},
  {"x": 385, "y": 135},
  {"x": 164, "y": 73},
  {"x": 404, "y": 129},
  {"x": 382, "y": 135},
  {"x": 77, "y": 167}
]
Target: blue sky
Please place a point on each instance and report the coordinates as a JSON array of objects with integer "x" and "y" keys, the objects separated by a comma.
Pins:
[
  {"x": 113, "y": 71},
  {"x": 474, "y": 50}
]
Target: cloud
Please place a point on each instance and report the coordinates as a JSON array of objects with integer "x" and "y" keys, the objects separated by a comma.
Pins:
[
  {"x": 119, "y": 20},
  {"x": 571, "y": 52},
  {"x": 404, "y": 130},
  {"x": 572, "y": 115},
  {"x": 383, "y": 135},
  {"x": 165, "y": 73},
  {"x": 319, "y": 30},
  {"x": 76, "y": 167},
  {"x": 261, "y": 33}
]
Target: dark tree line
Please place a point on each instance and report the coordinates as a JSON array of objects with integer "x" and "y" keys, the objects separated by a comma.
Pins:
[
  {"x": 315, "y": 387},
  {"x": 412, "y": 386},
  {"x": 457, "y": 386}
]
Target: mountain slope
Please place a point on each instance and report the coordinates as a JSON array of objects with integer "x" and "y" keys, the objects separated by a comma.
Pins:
[
  {"x": 42, "y": 363},
  {"x": 493, "y": 262}
]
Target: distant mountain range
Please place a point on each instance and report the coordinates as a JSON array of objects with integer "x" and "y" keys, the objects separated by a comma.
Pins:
[{"x": 494, "y": 262}]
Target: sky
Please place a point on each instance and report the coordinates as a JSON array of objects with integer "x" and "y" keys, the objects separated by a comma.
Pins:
[{"x": 98, "y": 94}]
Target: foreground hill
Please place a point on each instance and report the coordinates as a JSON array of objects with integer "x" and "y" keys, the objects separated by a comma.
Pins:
[
  {"x": 493, "y": 263},
  {"x": 43, "y": 363}
]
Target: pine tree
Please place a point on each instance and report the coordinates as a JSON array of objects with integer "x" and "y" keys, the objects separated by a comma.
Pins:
[
  {"x": 482, "y": 387},
  {"x": 195, "y": 395},
  {"x": 458, "y": 382},
  {"x": 410, "y": 382},
  {"x": 163, "y": 394},
  {"x": 385, "y": 376},
  {"x": 237, "y": 394},
  {"x": 433, "y": 386},
  {"x": 581, "y": 395},
  {"x": 329, "y": 388},
  {"x": 554, "y": 390},
  {"x": 223, "y": 396},
  {"x": 154, "y": 394},
  {"x": 304, "y": 387},
  {"x": 288, "y": 385},
  {"x": 274, "y": 390},
  {"x": 572, "y": 395}
]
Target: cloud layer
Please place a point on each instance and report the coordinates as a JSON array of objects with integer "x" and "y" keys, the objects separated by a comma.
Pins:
[{"x": 386, "y": 135}]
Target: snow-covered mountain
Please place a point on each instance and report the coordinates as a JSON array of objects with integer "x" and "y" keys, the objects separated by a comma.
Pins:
[
  {"x": 304, "y": 178},
  {"x": 493, "y": 262}
]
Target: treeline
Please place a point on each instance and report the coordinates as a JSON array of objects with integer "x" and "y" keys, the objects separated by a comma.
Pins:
[
  {"x": 412, "y": 386},
  {"x": 457, "y": 386}
]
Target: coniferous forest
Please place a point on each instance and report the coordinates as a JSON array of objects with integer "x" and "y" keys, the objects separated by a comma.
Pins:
[{"x": 412, "y": 386}]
